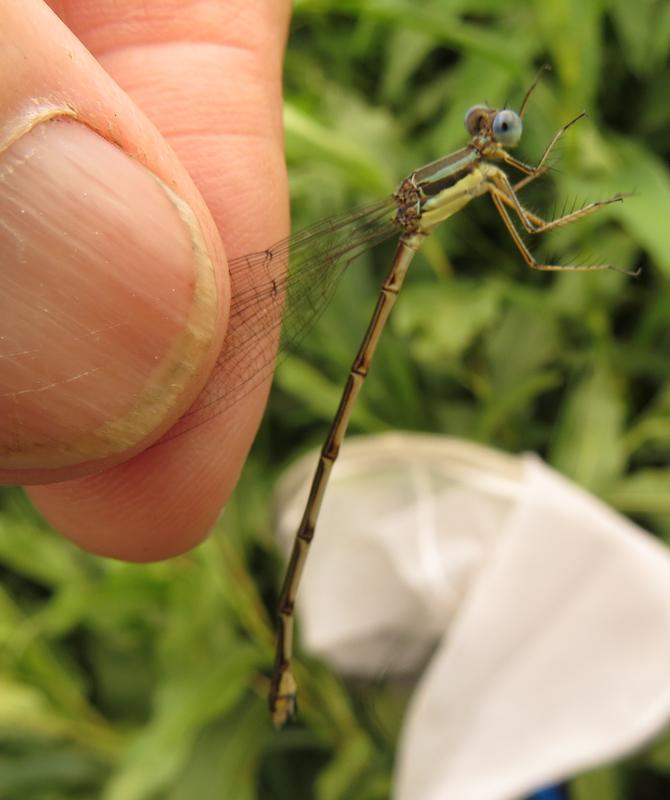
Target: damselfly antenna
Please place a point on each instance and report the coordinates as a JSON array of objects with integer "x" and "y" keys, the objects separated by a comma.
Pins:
[{"x": 544, "y": 68}]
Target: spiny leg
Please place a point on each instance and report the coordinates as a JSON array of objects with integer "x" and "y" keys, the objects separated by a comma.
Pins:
[
  {"x": 532, "y": 222},
  {"x": 525, "y": 252},
  {"x": 283, "y": 687},
  {"x": 532, "y": 173}
]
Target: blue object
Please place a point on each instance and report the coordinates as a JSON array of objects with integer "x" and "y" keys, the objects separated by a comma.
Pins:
[{"x": 550, "y": 793}]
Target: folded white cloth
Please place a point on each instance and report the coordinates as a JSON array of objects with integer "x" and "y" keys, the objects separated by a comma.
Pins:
[{"x": 550, "y": 612}]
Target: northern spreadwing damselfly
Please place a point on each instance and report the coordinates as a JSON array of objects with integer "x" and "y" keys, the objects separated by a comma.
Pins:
[{"x": 286, "y": 287}]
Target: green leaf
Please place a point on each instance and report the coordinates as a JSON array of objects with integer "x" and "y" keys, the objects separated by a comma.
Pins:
[
  {"x": 601, "y": 784},
  {"x": 441, "y": 320},
  {"x": 645, "y": 492},
  {"x": 305, "y": 133},
  {"x": 659, "y": 754},
  {"x": 50, "y": 773},
  {"x": 434, "y": 20},
  {"x": 225, "y": 758},
  {"x": 37, "y": 553},
  {"x": 339, "y": 779},
  {"x": 524, "y": 342},
  {"x": 588, "y": 442},
  {"x": 26, "y": 713},
  {"x": 644, "y": 28},
  {"x": 572, "y": 31},
  {"x": 319, "y": 396},
  {"x": 645, "y": 215},
  {"x": 157, "y": 753}
]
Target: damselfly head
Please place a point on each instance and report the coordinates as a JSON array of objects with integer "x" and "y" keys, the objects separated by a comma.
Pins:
[{"x": 503, "y": 126}]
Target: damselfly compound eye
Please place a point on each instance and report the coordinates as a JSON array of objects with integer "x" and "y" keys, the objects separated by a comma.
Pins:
[
  {"x": 475, "y": 117},
  {"x": 507, "y": 127}
]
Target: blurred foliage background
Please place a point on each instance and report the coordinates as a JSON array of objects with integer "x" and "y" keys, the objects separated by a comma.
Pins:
[{"x": 124, "y": 682}]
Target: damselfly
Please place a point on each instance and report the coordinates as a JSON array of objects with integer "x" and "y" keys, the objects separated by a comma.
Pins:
[
  {"x": 285, "y": 287},
  {"x": 422, "y": 201}
]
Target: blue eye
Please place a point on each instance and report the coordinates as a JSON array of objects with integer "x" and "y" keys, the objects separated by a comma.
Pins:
[{"x": 507, "y": 127}]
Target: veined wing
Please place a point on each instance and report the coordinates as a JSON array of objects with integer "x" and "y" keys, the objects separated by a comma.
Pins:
[{"x": 277, "y": 295}]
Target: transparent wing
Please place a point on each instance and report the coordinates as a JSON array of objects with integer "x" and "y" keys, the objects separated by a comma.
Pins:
[{"x": 277, "y": 295}]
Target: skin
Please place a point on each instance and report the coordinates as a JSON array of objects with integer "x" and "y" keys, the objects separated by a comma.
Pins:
[{"x": 207, "y": 74}]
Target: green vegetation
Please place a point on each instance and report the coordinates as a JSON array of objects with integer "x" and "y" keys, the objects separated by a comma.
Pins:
[{"x": 128, "y": 682}]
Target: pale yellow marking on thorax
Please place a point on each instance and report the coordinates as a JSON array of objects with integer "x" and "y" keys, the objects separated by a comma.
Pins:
[
  {"x": 454, "y": 198},
  {"x": 450, "y": 200}
]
